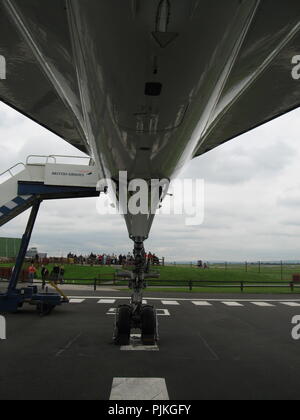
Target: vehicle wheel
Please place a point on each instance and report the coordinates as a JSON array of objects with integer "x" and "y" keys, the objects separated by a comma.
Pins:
[
  {"x": 44, "y": 309},
  {"x": 123, "y": 326},
  {"x": 148, "y": 320}
]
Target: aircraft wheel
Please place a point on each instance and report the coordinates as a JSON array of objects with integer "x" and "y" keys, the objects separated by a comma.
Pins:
[
  {"x": 123, "y": 326},
  {"x": 148, "y": 321}
]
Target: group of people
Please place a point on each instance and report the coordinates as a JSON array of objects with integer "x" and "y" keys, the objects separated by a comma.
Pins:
[
  {"x": 203, "y": 265},
  {"x": 152, "y": 258},
  {"x": 56, "y": 275},
  {"x": 110, "y": 259}
]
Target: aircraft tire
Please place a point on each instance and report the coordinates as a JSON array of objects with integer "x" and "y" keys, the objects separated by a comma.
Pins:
[
  {"x": 148, "y": 322},
  {"x": 123, "y": 326}
]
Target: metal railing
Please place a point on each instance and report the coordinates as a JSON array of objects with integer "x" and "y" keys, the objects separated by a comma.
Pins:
[
  {"x": 188, "y": 285},
  {"x": 46, "y": 159},
  {"x": 10, "y": 173}
]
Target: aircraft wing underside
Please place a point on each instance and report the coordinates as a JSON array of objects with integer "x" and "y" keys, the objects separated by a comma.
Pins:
[
  {"x": 267, "y": 88},
  {"x": 44, "y": 88},
  {"x": 42, "y": 83}
]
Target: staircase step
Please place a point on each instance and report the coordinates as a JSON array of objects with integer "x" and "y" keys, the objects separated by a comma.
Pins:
[
  {"x": 14, "y": 207},
  {"x": 16, "y": 202}
]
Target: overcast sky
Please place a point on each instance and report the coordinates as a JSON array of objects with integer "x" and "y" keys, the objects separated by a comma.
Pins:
[{"x": 252, "y": 199}]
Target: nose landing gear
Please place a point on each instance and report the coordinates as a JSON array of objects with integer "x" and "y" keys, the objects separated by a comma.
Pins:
[{"x": 136, "y": 315}]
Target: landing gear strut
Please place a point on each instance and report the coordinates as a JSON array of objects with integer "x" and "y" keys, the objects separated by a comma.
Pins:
[{"x": 136, "y": 315}]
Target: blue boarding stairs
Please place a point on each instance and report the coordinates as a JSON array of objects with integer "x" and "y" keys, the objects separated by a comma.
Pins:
[{"x": 26, "y": 186}]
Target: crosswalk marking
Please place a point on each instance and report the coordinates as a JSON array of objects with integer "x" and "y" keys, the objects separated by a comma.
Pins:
[
  {"x": 198, "y": 303},
  {"x": 192, "y": 299},
  {"x": 133, "y": 389},
  {"x": 201, "y": 303},
  {"x": 76, "y": 300},
  {"x": 111, "y": 301},
  {"x": 169, "y": 302},
  {"x": 292, "y": 304}
]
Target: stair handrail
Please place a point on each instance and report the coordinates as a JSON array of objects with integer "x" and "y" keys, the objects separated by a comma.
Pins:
[
  {"x": 55, "y": 157},
  {"x": 46, "y": 157},
  {"x": 91, "y": 161},
  {"x": 9, "y": 171}
]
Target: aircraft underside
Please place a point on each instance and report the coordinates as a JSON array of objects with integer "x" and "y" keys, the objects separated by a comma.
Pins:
[{"x": 145, "y": 86}]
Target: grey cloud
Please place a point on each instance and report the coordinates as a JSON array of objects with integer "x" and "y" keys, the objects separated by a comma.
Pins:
[{"x": 241, "y": 164}]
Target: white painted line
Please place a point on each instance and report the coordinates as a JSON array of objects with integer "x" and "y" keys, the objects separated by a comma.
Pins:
[
  {"x": 160, "y": 312},
  {"x": 262, "y": 304},
  {"x": 292, "y": 304},
  {"x": 76, "y": 300},
  {"x": 137, "y": 389},
  {"x": 163, "y": 312},
  {"x": 186, "y": 300},
  {"x": 232, "y": 304},
  {"x": 139, "y": 348},
  {"x": 201, "y": 303},
  {"x": 69, "y": 345},
  {"x": 112, "y": 311},
  {"x": 111, "y": 301},
  {"x": 137, "y": 345},
  {"x": 169, "y": 302}
]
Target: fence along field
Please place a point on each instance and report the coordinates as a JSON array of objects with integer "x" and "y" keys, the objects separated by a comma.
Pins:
[{"x": 222, "y": 277}]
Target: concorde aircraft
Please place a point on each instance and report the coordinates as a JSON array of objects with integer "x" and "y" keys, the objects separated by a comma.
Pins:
[{"x": 144, "y": 86}]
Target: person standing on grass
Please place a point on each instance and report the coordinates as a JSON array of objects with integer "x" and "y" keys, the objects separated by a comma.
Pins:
[
  {"x": 55, "y": 271},
  {"x": 61, "y": 274},
  {"x": 31, "y": 273},
  {"x": 45, "y": 276}
]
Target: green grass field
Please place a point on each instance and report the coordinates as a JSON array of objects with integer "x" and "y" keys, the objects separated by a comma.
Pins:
[{"x": 177, "y": 278}]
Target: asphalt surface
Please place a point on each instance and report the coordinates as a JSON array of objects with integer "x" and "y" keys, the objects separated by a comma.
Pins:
[{"x": 205, "y": 352}]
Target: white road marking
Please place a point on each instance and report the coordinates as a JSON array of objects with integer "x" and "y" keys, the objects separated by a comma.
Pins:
[
  {"x": 292, "y": 304},
  {"x": 137, "y": 389},
  {"x": 201, "y": 303},
  {"x": 145, "y": 302},
  {"x": 137, "y": 345},
  {"x": 262, "y": 304},
  {"x": 111, "y": 301},
  {"x": 163, "y": 312},
  {"x": 186, "y": 300},
  {"x": 112, "y": 311},
  {"x": 70, "y": 343},
  {"x": 77, "y": 300},
  {"x": 232, "y": 304},
  {"x": 169, "y": 302},
  {"x": 160, "y": 312}
]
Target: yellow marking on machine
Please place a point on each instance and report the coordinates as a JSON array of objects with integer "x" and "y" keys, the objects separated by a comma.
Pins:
[{"x": 59, "y": 291}]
